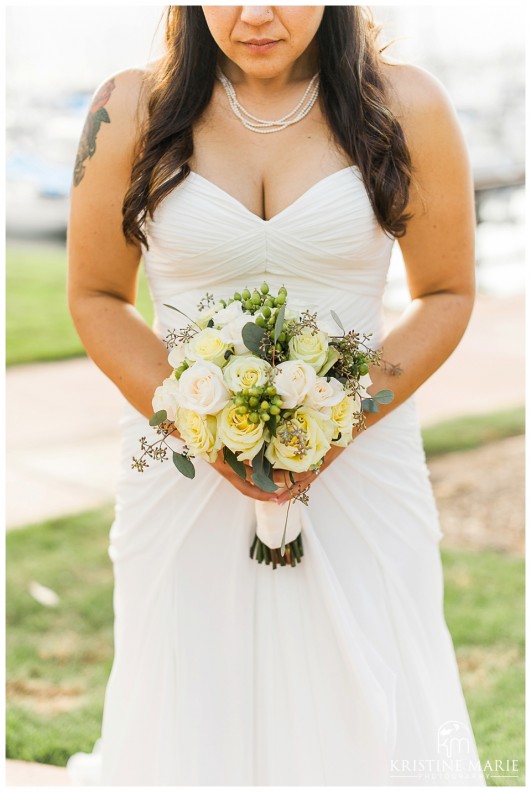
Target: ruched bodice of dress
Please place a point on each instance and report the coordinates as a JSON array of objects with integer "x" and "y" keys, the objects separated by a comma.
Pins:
[{"x": 326, "y": 248}]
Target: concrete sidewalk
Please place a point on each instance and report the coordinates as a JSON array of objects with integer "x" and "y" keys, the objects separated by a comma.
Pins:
[
  {"x": 62, "y": 427},
  {"x": 31, "y": 774}
]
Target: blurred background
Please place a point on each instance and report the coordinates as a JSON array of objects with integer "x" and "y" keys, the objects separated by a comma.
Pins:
[{"x": 60, "y": 616}]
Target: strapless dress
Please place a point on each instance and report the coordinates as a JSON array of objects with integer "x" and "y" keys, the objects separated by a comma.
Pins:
[{"x": 338, "y": 671}]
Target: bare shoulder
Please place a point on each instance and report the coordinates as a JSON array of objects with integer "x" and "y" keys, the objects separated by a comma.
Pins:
[
  {"x": 114, "y": 122},
  {"x": 126, "y": 92},
  {"x": 413, "y": 91},
  {"x": 427, "y": 115}
]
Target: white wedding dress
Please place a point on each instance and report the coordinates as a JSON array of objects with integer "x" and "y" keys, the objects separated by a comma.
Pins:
[{"x": 338, "y": 671}]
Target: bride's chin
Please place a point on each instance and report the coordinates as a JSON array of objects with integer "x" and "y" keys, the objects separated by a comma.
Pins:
[{"x": 259, "y": 67}]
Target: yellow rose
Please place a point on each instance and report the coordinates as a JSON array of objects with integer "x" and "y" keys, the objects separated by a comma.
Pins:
[
  {"x": 239, "y": 434},
  {"x": 245, "y": 371},
  {"x": 200, "y": 433},
  {"x": 316, "y": 432},
  {"x": 206, "y": 345},
  {"x": 343, "y": 419},
  {"x": 312, "y": 348}
]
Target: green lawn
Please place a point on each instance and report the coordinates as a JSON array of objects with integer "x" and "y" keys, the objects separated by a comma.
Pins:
[
  {"x": 59, "y": 659},
  {"x": 38, "y": 324},
  {"x": 461, "y": 434}
]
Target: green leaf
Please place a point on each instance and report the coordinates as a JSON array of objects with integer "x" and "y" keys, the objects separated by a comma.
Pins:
[
  {"x": 268, "y": 467},
  {"x": 384, "y": 397},
  {"x": 259, "y": 477},
  {"x": 272, "y": 424},
  {"x": 183, "y": 465},
  {"x": 233, "y": 462},
  {"x": 332, "y": 357},
  {"x": 279, "y": 323},
  {"x": 337, "y": 320},
  {"x": 158, "y": 418},
  {"x": 252, "y": 337},
  {"x": 369, "y": 405},
  {"x": 292, "y": 477},
  {"x": 263, "y": 482}
]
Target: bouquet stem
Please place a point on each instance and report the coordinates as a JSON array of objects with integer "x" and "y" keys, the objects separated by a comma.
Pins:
[{"x": 292, "y": 555}]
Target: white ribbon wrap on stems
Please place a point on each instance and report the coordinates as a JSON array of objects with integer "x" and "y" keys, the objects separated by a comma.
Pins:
[{"x": 270, "y": 521}]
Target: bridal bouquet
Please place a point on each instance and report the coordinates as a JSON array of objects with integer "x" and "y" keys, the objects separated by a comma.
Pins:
[{"x": 268, "y": 384}]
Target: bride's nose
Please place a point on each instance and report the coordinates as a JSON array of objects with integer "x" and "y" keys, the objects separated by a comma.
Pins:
[{"x": 257, "y": 15}]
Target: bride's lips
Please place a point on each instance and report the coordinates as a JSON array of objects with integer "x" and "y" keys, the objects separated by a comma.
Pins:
[{"x": 254, "y": 45}]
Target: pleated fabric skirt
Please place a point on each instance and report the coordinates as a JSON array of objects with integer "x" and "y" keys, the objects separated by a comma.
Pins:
[{"x": 338, "y": 671}]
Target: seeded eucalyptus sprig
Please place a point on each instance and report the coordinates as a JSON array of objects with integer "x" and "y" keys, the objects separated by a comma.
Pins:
[{"x": 158, "y": 450}]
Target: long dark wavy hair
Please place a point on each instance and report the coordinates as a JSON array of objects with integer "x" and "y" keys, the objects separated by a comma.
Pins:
[{"x": 352, "y": 98}]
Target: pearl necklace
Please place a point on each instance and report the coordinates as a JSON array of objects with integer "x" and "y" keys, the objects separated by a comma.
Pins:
[{"x": 258, "y": 124}]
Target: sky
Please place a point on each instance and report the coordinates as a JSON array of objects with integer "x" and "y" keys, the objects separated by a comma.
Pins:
[{"x": 74, "y": 46}]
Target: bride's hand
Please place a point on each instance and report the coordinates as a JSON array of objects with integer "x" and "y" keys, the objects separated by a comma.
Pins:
[
  {"x": 288, "y": 488},
  {"x": 247, "y": 487},
  {"x": 303, "y": 480}
]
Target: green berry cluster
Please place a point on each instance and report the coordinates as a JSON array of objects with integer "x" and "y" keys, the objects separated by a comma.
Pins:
[
  {"x": 261, "y": 301},
  {"x": 258, "y": 403}
]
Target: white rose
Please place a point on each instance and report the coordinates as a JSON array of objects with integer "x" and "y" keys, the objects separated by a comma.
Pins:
[
  {"x": 204, "y": 317},
  {"x": 240, "y": 435},
  {"x": 231, "y": 333},
  {"x": 166, "y": 397},
  {"x": 325, "y": 393},
  {"x": 317, "y": 432},
  {"x": 293, "y": 381},
  {"x": 207, "y": 345},
  {"x": 310, "y": 347},
  {"x": 200, "y": 433},
  {"x": 228, "y": 314},
  {"x": 201, "y": 388},
  {"x": 245, "y": 371},
  {"x": 343, "y": 418},
  {"x": 176, "y": 356}
]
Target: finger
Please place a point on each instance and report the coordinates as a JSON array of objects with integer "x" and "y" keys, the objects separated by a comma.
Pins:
[{"x": 252, "y": 491}]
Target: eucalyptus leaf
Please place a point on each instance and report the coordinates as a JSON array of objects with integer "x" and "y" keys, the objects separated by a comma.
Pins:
[
  {"x": 252, "y": 337},
  {"x": 337, "y": 320},
  {"x": 183, "y": 465},
  {"x": 369, "y": 406},
  {"x": 272, "y": 424},
  {"x": 384, "y": 397},
  {"x": 268, "y": 467},
  {"x": 233, "y": 462},
  {"x": 279, "y": 323},
  {"x": 158, "y": 418},
  {"x": 264, "y": 482},
  {"x": 260, "y": 477}
]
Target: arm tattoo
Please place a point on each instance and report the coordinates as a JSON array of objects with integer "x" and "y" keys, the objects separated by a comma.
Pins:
[{"x": 96, "y": 116}]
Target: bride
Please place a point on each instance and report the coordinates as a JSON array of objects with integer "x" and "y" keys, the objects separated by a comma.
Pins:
[{"x": 276, "y": 143}]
